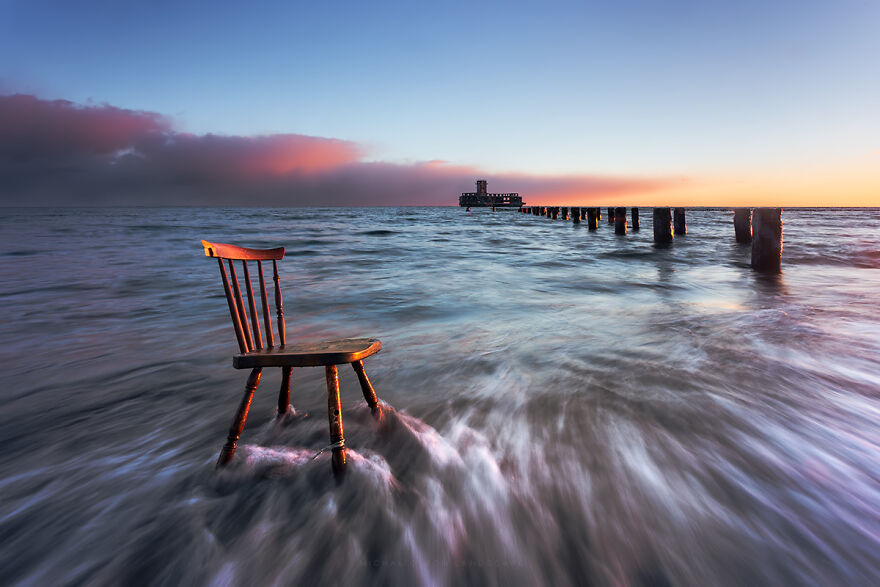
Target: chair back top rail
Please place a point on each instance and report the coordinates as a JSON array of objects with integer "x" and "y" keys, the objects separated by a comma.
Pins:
[
  {"x": 249, "y": 340},
  {"x": 237, "y": 253}
]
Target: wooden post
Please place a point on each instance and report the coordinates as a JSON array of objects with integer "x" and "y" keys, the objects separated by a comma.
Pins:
[
  {"x": 767, "y": 240},
  {"x": 662, "y": 226},
  {"x": 334, "y": 411},
  {"x": 610, "y": 215},
  {"x": 583, "y": 213},
  {"x": 241, "y": 415},
  {"x": 620, "y": 221},
  {"x": 742, "y": 225},
  {"x": 592, "y": 220},
  {"x": 680, "y": 222},
  {"x": 598, "y": 214},
  {"x": 634, "y": 215},
  {"x": 576, "y": 215},
  {"x": 493, "y": 208},
  {"x": 555, "y": 212},
  {"x": 564, "y": 212}
]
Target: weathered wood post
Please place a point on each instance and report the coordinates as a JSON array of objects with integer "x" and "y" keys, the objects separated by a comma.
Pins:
[
  {"x": 555, "y": 212},
  {"x": 592, "y": 221},
  {"x": 634, "y": 215},
  {"x": 610, "y": 215},
  {"x": 620, "y": 220},
  {"x": 575, "y": 215},
  {"x": 468, "y": 209},
  {"x": 767, "y": 240},
  {"x": 742, "y": 225},
  {"x": 662, "y": 226},
  {"x": 598, "y": 214},
  {"x": 583, "y": 213},
  {"x": 493, "y": 208},
  {"x": 564, "y": 212},
  {"x": 680, "y": 222}
]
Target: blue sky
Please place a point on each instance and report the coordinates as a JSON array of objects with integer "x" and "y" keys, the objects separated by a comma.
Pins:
[{"x": 628, "y": 87}]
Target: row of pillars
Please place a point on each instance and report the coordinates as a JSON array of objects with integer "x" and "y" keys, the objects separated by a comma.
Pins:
[
  {"x": 762, "y": 228},
  {"x": 616, "y": 216}
]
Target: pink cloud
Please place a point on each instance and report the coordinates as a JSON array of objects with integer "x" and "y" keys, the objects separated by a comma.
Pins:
[
  {"x": 31, "y": 127},
  {"x": 57, "y": 152}
]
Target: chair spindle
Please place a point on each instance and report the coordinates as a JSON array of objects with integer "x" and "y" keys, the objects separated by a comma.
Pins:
[
  {"x": 239, "y": 303},
  {"x": 233, "y": 312},
  {"x": 279, "y": 304},
  {"x": 255, "y": 319},
  {"x": 267, "y": 321}
]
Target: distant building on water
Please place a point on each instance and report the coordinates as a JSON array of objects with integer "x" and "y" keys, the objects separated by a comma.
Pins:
[{"x": 482, "y": 198}]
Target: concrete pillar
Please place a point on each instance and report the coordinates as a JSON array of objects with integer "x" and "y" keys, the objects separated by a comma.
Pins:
[
  {"x": 680, "y": 222},
  {"x": 742, "y": 225},
  {"x": 610, "y": 215},
  {"x": 662, "y": 226},
  {"x": 576, "y": 215},
  {"x": 592, "y": 220},
  {"x": 634, "y": 216},
  {"x": 620, "y": 221},
  {"x": 767, "y": 240}
]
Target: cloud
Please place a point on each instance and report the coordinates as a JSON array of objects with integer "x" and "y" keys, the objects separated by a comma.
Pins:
[
  {"x": 60, "y": 153},
  {"x": 31, "y": 128}
]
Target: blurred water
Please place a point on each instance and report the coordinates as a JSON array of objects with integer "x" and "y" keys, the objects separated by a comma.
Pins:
[{"x": 569, "y": 407}]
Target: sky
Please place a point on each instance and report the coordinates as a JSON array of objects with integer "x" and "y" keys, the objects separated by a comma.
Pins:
[{"x": 390, "y": 103}]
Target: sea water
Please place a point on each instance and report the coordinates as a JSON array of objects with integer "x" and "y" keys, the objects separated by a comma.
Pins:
[{"x": 562, "y": 406}]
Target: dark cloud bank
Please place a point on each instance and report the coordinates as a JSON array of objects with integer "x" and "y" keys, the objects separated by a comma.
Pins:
[{"x": 60, "y": 153}]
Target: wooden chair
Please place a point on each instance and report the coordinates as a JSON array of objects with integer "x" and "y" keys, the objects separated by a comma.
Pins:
[{"x": 255, "y": 355}]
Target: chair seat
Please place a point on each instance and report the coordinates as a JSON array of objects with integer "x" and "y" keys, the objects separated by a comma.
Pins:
[{"x": 311, "y": 354}]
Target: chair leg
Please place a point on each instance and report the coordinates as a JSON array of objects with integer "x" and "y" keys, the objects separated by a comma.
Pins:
[
  {"x": 284, "y": 392},
  {"x": 367, "y": 389},
  {"x": 334, "y": 410},
  {"x": 240, "y": 418}
]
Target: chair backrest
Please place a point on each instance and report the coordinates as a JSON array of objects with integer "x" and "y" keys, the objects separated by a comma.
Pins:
[{"x": 248, "y": 332}]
